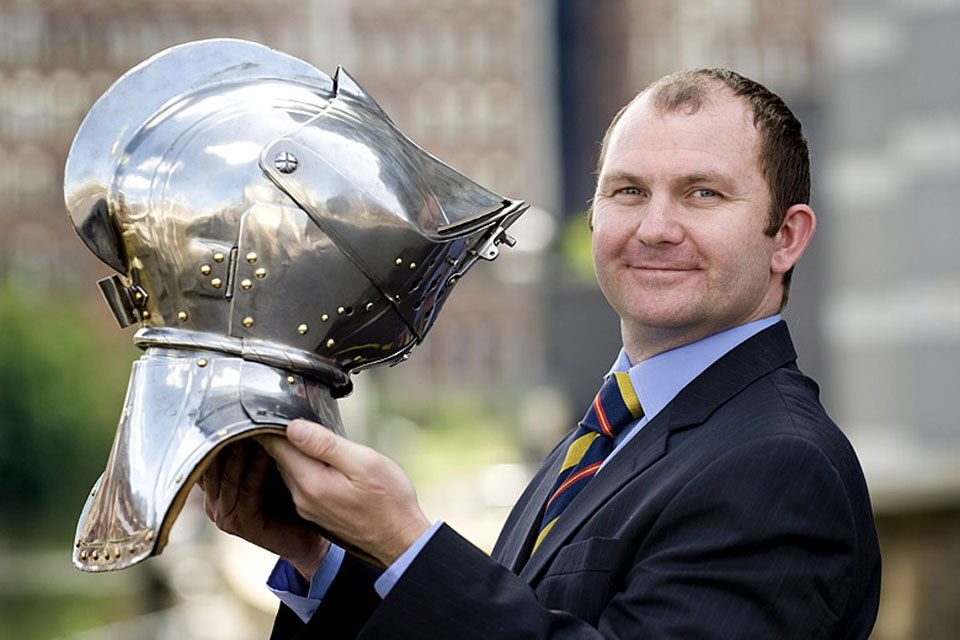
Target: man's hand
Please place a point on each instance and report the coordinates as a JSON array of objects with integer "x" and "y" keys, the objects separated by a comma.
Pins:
[
  {"x": 244, "y": 496},
  {"x": 355, "y": 493}
]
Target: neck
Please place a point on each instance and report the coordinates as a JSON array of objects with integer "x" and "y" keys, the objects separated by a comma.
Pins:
[{"x": 643, "y": 343}]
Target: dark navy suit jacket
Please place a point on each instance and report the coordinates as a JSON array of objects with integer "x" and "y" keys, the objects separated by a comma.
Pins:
[{"x": 739, "y": 511}]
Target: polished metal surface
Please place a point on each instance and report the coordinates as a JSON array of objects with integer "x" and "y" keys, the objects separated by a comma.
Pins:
[
  {"x": 256, "y": 209},
  {"x": 182, "y": 407}
]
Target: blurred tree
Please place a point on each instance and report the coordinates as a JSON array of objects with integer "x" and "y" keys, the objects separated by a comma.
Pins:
[
  {"x": 576, "y": 251},
  {"x": 61, "y": 391}
]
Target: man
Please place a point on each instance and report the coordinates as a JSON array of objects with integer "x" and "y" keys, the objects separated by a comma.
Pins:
[{"x": 728, "y": 506}]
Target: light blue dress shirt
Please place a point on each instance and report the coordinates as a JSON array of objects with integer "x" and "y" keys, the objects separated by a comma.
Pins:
[{"x": 656, "y": 380}]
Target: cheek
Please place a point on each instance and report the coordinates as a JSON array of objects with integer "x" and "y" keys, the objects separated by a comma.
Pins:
[{"x": 610, "y": 233}]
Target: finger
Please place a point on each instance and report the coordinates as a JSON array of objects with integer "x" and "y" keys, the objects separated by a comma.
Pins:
[
  {"x": 234, "y": 468},
  {"x": 254, "y": 480},
  {"x": 211, "y": 478},
  {"x": 272, "y": 444},
  {"x": 321, "y": 444}
]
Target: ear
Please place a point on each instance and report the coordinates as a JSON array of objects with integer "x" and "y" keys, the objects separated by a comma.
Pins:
[{"x": 794, "y": 235}]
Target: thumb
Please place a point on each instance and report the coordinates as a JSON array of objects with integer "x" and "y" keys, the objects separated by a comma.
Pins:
[{"x": 321, "y": 444}]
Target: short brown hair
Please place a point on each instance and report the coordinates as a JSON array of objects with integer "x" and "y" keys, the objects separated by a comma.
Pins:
[{"x": 784, "y": 155}]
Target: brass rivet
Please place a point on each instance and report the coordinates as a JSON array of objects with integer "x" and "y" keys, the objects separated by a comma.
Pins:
[
  {"x": 118, "y": 552},
  {"x": 95, "y": 555},
  {"x": 132, "y": 549},
  {"x": 302, "y": 329},
  {"x": 178, "y": 478},
  {"x": 340, "y": 310},
  {"x": 216, "y": 282},
  {"x": 247, "y": 322},
  {"x": 145, "y": 314},
  {"x": 291, "y": 379},
  {"x": 452, "y": 281},
  {"x": 324, "y": 318},
  {"x": 222, "y": 432},
  {"x": 93, "y": 492},
  {"x": 246, "y": 283},
  {"x": 252, "y": 256},
  {"x": 205, "y": 269},
  {"x": 330, "y": 343},
  {"x": 260, "y": 273},
  {"x": 217, "y": 256},
  {"x": 182, "y": 316},
  {"x": 398, "y": 261},
  {"x": 202, "y": 362},
  {"x": 83, "y": 555},
  {"x": 78, "y": 544},
  {"x": 413, "y": 265},
  {"x": 149, "y": 536},
  {"x": 357, "y": 358},
  {"x": 138, "y": 296}
]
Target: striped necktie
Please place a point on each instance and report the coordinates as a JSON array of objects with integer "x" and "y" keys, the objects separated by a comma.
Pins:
[{"x": 615, "y": 406}]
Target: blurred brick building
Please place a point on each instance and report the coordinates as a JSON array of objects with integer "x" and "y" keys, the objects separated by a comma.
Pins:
[{"x": 469, "y": 81}]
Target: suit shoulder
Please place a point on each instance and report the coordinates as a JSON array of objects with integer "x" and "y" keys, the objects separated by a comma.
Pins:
[{"x": 786, "y": 404}]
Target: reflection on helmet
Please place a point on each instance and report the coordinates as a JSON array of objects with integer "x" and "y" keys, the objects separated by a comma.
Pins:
[{"x": 272, "y": 231}]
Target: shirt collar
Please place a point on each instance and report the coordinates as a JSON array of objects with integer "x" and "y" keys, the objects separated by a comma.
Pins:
[{"x": 659, "y": 379}]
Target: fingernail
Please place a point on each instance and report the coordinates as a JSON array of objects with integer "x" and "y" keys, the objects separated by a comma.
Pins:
[{"x": 297, "y": 432}]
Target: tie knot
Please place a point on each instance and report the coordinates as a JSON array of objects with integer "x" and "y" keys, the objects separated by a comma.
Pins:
[{"x": 615, "y": 406}]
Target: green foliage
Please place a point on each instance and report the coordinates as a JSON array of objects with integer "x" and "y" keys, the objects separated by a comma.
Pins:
[
  {"x": 448, "y": 434},
  {"x": 576, "y": 249},
  {"x": 62, "y": 381},
  {"x": 53, "y": 614}
]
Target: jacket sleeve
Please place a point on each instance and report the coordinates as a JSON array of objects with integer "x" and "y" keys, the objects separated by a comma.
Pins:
[
  {"x": 761, "y": 542},
  {"x": 345, "y": 608}
]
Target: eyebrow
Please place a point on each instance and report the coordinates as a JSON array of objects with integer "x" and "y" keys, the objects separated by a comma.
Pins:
[{"x": 684, "y": 181}]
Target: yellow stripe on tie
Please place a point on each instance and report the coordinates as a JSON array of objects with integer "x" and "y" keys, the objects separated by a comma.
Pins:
[
  {"x": 543, "y": 534},
  {"x": 578, "y": 448},
  {"x": 629, "y": 395}
]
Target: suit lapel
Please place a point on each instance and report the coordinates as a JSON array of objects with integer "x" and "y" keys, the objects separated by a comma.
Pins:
[
  {"x": 522, "y": 525},
  {"x": 754, "y": 358},
  {"x": 643, "y": 450}
]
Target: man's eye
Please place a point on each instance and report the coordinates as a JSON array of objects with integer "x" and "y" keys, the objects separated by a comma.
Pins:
[
  {"x": 705, "y": 193},
  {"x": 628, "y": 191}
]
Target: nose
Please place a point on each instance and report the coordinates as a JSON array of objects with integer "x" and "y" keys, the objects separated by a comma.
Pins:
[{"x": 659, "y": 224}]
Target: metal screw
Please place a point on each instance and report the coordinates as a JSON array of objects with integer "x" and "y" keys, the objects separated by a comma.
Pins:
[
  {"x": 285, "y": 162},
  {"x": 302, "y": 329}
]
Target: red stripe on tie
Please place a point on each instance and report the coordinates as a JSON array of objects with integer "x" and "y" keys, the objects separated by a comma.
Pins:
[
  {"x": 579, "y": 475},
  {"x": 604, "y": 423}
]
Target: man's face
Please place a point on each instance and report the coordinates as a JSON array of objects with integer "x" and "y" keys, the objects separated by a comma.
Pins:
[{"x": 678, "y": 223}]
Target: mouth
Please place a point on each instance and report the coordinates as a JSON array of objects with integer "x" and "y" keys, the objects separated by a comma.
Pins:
[{"x": 662, "y": 268}]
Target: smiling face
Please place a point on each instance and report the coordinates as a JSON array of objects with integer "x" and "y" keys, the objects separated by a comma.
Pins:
[{"x": 679, "y": 215}]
